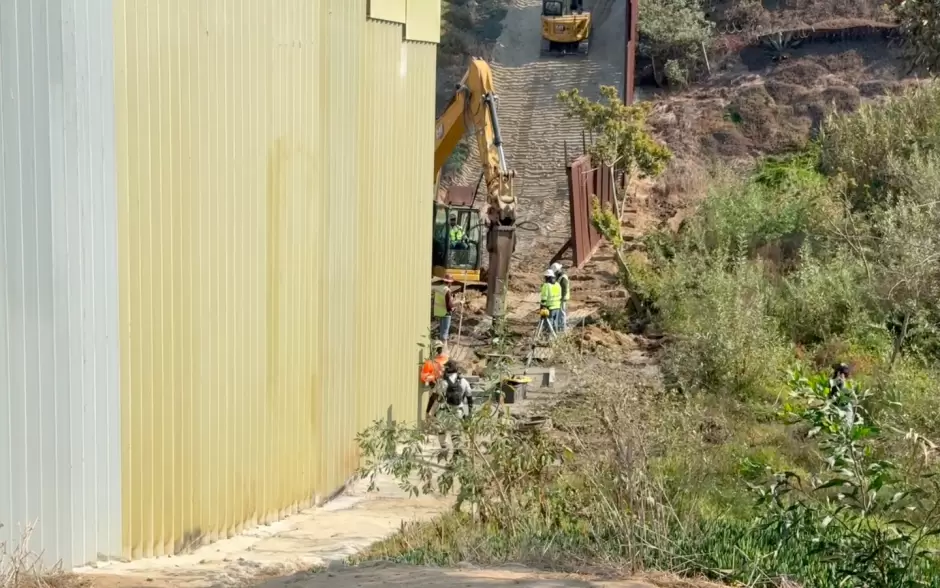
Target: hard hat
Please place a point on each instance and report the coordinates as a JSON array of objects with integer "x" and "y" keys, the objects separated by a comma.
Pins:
[
  {"x": 556, "y": 267},
  {"x": 452, "y": 215},
  {"x": 438, "y": 344},
  {"x": 448, "y": 278},
  {"x": 549, "y": 274}
]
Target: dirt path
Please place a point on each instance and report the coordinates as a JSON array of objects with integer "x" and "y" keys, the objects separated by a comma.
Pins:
[
  {"x": 315, "y": 537},
  {"x": 534, "y": 126},
  {"x": 413, "y": 577}
]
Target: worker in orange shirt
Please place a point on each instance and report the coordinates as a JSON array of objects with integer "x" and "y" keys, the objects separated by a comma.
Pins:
[{"x": 433, "y": 368}]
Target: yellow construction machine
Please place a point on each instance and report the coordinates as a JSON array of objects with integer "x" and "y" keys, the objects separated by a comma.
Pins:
[
  {"x": 461, "y": 229},
  {"x": 566, "y": 28}
]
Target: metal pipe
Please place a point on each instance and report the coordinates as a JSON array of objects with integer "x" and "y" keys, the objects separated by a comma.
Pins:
[{"x": 490, "y": 101}]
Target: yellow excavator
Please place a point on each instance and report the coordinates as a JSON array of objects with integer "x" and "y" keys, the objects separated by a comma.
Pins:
[
  {"x": 461, "y": 229},
  {"x": 566, "y": 28}
]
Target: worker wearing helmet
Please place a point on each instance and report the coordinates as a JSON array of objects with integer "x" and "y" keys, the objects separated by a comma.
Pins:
[
  {"x": 550, "y": 296},
  {"x": 455, "y": 233},
  {"x": 562, "y": 278}
]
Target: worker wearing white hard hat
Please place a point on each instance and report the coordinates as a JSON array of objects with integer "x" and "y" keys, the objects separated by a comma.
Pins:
[
  {"x": 565, "y": 284},
  {"x": 550, "y": 297}
]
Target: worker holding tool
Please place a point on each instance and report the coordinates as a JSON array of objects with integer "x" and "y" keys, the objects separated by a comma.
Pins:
[
  {"x": 454, "y": 395},
  {"x": 441, "y": 307},
  {"x": 562, "y": 278},
  {"x": 550, "y": 297},
  {"x": 433, "y": 367}
]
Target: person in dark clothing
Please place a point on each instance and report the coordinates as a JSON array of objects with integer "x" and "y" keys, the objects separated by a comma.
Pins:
[
  {"x": 840, "y": 374},
  {"x": 452, "y": 394}
]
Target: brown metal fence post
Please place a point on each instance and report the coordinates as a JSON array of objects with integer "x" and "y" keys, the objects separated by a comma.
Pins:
[{"x": 629, "y": 47}]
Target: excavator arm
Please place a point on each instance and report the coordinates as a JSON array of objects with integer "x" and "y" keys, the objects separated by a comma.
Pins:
[{"x": 474, "y": 108}]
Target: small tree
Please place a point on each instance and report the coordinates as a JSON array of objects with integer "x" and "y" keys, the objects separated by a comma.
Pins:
[
  {"x": 623, "y": 143},
  {"x": 673, "y": 34},
  {"x": 906, "y": 271},
  {"x": 920, "y": 25}
]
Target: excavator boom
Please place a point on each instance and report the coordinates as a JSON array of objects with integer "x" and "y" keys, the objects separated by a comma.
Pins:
[{"x": 474, "y": 108}]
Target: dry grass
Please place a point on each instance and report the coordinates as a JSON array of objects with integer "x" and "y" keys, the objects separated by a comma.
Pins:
[
  {"x": 762, "y": 16},
  {"x": 755, "y": 106},
  {"x": 20, "y": 567}
]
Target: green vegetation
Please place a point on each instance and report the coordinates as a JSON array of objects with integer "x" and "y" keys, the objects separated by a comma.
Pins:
[
  {"x": 920, "y": 23},
  {"x": 468, "y": 28},
  {"x": 673, "y": 34},
  {"x": 742, "y": 466}
]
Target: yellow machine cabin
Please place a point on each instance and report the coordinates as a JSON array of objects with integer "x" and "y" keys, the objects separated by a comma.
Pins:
[
  {"x": 566, "y": 28},
  {"x": 459, "y": 235}
]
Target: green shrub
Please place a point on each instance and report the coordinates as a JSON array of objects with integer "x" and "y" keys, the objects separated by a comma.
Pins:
[
  {"x": 822, "y": 299},
  {"x": 674, "y": 30},
  {"x": 726, "y": 341},
  {"x": 770, "y": 213},
  {"x": 920, "y": 25},
  {"x": 861, "y": 144}
]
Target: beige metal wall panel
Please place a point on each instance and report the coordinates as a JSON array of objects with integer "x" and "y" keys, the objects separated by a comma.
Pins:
[
  {"x": 60, "y": 454},
  {"x": 390, "y": 10},
  {"x": 274, "y": 197},
  {"x": 423, "y": 21}
]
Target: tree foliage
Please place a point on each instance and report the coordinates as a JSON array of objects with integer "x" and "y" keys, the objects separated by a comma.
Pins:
[
  {"x": 920, "y": 25},
  {"x": 621, "y": 138},
  {"x": 672, "y": 33}
]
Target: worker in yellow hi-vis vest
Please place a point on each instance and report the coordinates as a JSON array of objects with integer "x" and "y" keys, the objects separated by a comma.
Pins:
[
  {"x": 562, "y": 278},
  {"x": 442, "y": 306},
  {"x": 550, "y": 297}
]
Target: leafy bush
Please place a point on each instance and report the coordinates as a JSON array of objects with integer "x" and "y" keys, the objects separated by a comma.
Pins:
[
  {"x": 822, "y": 299},
  {"x": 859, "y": 145},
  {"x": 866, "y": 524},
  {"x": 726, "y": 341},
  {"x": 777, "y": 207},
  {"x": 674, "y": 31},
  {"x": 920, "y": 25}
]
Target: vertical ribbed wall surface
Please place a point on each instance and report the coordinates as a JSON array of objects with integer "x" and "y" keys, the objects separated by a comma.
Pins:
[
  {"x": 274, "y": 197},
  {"x": 60, "y": 453}
]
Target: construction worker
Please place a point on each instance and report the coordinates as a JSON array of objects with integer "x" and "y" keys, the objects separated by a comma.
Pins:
[
  {"x": 455, "y": 233},
  {"x": 441, "y": 307},
  {"x": 433, "y": 367},
  {"x": 452, "y": 394},
  {"x": 562, "y": 278},
  {"x": 550, "y": 297}
]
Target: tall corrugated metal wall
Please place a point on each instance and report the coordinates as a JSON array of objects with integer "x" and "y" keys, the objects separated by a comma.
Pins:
[
  {"x": 274, "y": 194},
  {"x": 59, "y": 397},
  {"x": 216, "y": 254}
]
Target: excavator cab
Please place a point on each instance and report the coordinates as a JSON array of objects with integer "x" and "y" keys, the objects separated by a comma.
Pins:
[
  {"x": 457, "y": 245},
  {"x": 566, "y": 28}
]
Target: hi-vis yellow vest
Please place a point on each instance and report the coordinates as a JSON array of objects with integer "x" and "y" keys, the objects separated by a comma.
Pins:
[
  {"x": 550, "y": 296},
  {"x": 440, "y": 301}
]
